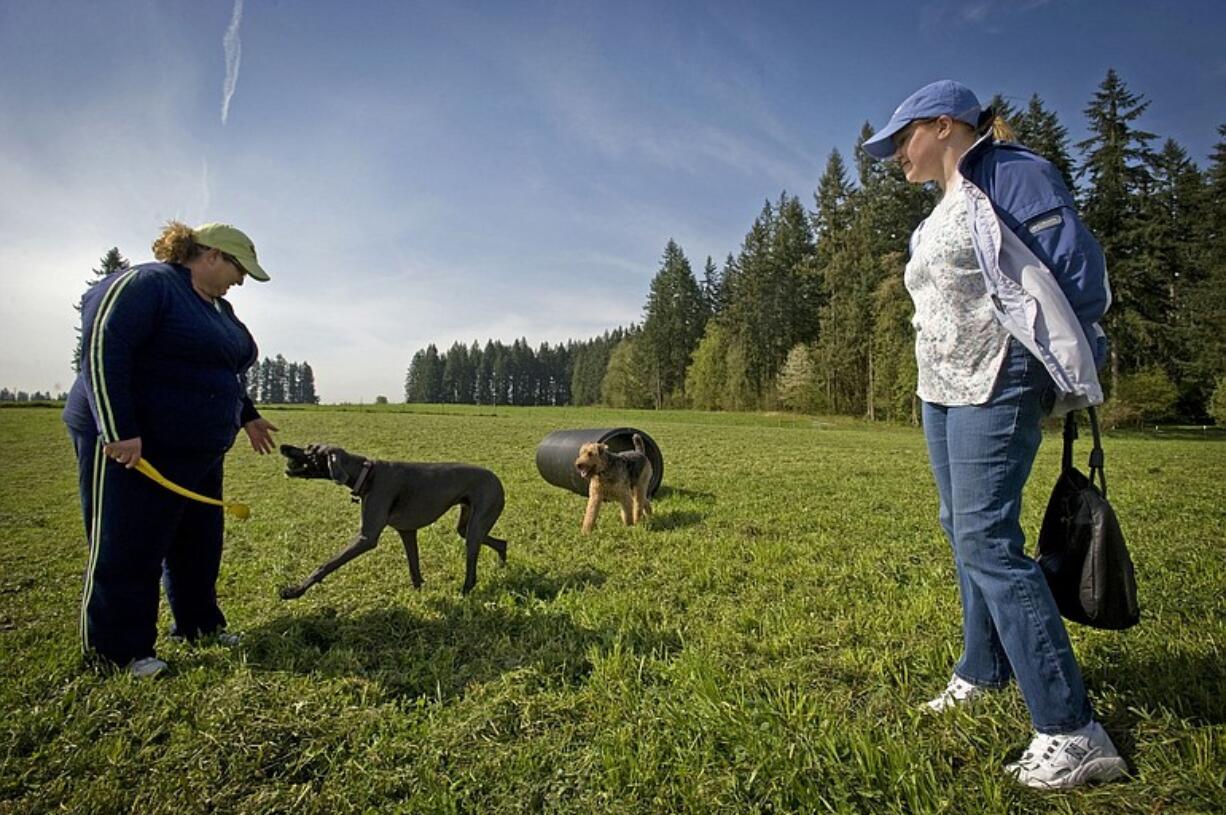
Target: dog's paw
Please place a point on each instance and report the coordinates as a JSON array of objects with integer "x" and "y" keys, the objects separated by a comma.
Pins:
[{"x": 292, "y": 592}]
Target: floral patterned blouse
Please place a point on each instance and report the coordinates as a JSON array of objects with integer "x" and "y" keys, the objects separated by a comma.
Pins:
[{"x": 959, "y": 345}]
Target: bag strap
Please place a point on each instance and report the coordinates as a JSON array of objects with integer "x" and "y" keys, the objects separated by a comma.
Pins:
[
  {"x": 1070, "y": 435},
  {"x": 1096, "y": 454}
]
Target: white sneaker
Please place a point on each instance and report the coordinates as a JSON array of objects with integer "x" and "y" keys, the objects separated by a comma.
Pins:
[
  {"x": 1068, "y": 759},
  {"x": 957, "y": 693},
  {"x": 147, "y": 667}
]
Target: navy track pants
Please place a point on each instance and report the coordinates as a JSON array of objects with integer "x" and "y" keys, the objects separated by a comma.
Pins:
[{"x": 138, "y": 531}]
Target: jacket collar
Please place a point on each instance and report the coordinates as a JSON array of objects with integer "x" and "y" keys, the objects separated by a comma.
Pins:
[{"x": 975, "y": 152}]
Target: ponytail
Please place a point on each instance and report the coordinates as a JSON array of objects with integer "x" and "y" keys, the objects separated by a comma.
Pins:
[
  {"x": 176, "y": 244},
  {"x": 1000, "y": 129}
]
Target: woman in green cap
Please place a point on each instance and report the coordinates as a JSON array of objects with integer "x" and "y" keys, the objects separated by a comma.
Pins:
[{"x": 163, "y": 376}]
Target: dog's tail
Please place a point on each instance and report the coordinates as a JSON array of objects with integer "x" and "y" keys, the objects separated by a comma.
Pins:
[{"x": 639, "y": 446}]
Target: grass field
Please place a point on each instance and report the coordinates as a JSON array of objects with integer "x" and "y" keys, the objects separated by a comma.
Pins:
[{"x": 761, "y": 645}]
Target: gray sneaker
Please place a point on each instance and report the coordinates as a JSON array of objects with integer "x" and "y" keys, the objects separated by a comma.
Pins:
[
  {"x": 219, "y": 637},
  {"x": 228, "y": 639},
  {"x": 146, "y": 667},
  {"x": 1068, "y": 760}
]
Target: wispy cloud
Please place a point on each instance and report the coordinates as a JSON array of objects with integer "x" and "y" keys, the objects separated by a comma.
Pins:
[
  {"x": 597, "y": 113},
  {"x": 945, "y": 14},
  {"x": 234, "y": 55}
]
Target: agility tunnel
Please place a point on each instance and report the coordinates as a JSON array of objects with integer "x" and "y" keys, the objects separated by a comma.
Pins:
[{"x": 556, "y": 454}]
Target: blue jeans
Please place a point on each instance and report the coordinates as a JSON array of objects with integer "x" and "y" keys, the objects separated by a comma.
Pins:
[{"x": 981, "y": 456}]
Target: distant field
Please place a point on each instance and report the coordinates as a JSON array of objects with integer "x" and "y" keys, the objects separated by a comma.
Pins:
[{"x": 761, "y": 645}]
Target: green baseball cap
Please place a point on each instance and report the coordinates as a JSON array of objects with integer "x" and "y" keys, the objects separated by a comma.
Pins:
[{"x": 232, "y": 241}]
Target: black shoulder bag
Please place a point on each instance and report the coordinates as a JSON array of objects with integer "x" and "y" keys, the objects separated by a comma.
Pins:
[{"x": 1081, "y": 547}]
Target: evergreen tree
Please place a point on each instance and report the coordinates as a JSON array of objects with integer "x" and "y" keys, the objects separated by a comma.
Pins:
[
  {"x": 293, "y": 393},
  {"x": 591, "y": 360},
  {"x": 484, "y": 387},
  {"x": 833, "y": 201},
  {"x": 278, "y": 380},
  {"x": 520, "y": 372},
  {"x": 867, "y": 168},
  {"x": 307, "y": 383},
  {"x": 412, "y": 378},
  {"x": 1172, "y": 260},
  {"x": 883, "y": 213},
  {"x": 433, "y": 371},
  {"x": 455, "y": 374},
  {"x": 501, "y": 376},
  {"x": 673, "y": 321},
  {"x": 1041, "y": 131},
  {"x": 111, "y": 263},
  {"x": 772, "y": 292},
  {"x": 712, "y": 288},
  {"x": 1205, "y": 303},
  {"x": 1116, "y": 163},
  {"x": 424, "y": 381},
  {"x": 472, "y": 384},
  {"x": 266, "y": 375}
]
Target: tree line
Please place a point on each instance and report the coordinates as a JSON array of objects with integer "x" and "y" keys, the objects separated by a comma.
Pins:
[
  {"x": 571, "y": 373},
  {"x": 9, "y": 395},
  {"x": 811, "y": 313},
  {"x": 279, "y": 382}
]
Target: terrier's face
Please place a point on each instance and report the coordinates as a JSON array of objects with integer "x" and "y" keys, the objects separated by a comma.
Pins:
[
  {"x": 592, "y": 459},
  {"x": 311, "y": 462}
]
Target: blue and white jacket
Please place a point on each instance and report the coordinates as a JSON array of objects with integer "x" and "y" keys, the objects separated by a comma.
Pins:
[
  {"x": 159, "y": 362},
  {"x": 1045, "y": 273}
]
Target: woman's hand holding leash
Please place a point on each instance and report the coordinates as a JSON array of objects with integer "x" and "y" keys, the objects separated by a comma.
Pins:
[{"x": 126, "y": 451}]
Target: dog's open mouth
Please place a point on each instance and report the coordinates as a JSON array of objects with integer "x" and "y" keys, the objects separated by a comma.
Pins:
[
  {"x": 583, "y": 470},
  {"x": 301, "y": 463}
]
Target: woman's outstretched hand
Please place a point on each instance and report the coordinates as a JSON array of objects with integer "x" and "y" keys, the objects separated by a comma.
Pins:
[{"x": 260, "y": 431}]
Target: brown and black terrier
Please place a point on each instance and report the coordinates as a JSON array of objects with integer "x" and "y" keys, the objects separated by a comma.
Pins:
[{"x": 622, "y": 477}]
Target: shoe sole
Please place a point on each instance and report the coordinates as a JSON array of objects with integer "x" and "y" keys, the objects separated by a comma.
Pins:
[{"x": 1098, "y": 770}]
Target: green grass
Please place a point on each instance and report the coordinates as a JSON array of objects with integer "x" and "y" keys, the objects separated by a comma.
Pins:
[{"x": 760, "y": 646}]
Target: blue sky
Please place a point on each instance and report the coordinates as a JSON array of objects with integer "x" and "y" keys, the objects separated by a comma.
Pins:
[{"x": 433, "y": 172}]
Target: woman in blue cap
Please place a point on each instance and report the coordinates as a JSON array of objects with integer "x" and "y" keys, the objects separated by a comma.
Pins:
[
  {"x": 162, "y": 376},
  {"x": 1009, "y": 288}
]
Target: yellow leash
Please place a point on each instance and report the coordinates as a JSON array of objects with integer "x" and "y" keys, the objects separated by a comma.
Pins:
[{"x": 238, "y": 510}]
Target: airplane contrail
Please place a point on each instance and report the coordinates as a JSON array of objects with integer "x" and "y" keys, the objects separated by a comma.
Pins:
[{"x": 234, "y": 54}]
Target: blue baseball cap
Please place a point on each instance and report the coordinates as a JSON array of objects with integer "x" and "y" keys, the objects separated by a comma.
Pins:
[{"x": 941, "y": 98}]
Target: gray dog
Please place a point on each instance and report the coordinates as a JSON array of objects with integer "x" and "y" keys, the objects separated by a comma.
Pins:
[{"x": 405, "y": 496}]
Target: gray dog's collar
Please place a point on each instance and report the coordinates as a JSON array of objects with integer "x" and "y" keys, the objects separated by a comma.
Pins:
[{"x": 362, "y": 484}]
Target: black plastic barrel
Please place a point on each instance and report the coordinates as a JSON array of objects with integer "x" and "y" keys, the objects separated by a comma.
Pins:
[{"x": 556, "y": 454}]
